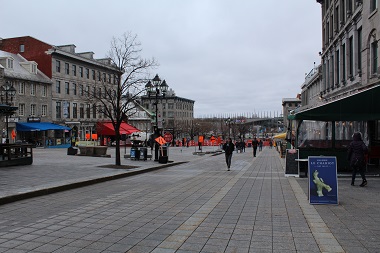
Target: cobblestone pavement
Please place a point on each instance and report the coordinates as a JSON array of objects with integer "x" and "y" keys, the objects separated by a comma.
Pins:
[{"x": 196, "y": 206}]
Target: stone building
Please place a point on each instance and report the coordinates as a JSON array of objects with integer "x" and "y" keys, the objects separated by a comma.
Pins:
[
  {"x": 33, "y": 89},
  {"x": 340, "y": 96},
  {"x": 174, "y": 113},
  {"x": 73, "y": 75}
]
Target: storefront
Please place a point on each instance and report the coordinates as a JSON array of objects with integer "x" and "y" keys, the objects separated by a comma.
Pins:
[
  {"x": 44, "y": 134},
  {"x": 106, "y": 132},
  {"x": 328, "y": 129}
]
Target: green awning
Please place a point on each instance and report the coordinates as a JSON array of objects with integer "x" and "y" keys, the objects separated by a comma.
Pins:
[{"x": 362, "y": 106}]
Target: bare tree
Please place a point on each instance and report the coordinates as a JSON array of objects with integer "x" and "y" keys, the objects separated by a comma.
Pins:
[{"x": 114, "y": 100}]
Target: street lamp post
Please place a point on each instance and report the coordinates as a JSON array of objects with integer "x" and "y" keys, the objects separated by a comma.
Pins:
[
  {"x": 7, "y": 92},
  {"x": 156, "y": 87},
  {"x": 228, "y": 123}
]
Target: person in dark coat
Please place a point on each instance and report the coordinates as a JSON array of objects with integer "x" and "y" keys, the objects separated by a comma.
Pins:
[
  {"x": 228, "y": 148},
  {"x": 255, "y": 143},
  {"x": 356, "y": 155}
]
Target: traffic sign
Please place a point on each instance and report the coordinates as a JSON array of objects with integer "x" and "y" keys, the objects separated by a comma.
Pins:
[
  {"x": 168, "y": 137},
  {"x": 160, "y": 140}
]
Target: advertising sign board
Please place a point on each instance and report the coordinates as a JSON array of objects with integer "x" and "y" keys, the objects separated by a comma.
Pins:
[{"x": 323, "y": 180}]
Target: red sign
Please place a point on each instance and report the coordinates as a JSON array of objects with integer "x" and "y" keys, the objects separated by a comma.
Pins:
[{"x": 168, "y": 137}]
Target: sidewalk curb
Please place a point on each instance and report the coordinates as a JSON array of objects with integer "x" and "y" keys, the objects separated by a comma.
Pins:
[{"x": 59, "y": 188}]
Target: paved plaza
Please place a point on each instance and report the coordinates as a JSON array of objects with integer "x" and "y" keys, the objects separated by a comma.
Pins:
[{"x": 192, "y": 204}]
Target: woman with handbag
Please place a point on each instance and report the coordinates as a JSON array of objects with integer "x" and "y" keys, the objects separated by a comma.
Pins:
[{"x": 356, "y": 155}]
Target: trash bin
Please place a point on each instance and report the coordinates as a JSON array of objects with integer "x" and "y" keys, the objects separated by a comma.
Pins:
[
  {"x": 133, "y": 153},
  {"x": 143, "y": 153},
  {"x": 163, "y": 154}
]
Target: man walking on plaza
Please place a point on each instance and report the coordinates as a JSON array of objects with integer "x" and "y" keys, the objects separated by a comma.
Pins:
[
  {"x": 228, "y": 148},
  {"x": 255, "y": 143}
]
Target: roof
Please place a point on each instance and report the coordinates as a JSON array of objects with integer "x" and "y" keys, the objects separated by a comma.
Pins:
[
  {"x": 38, "y": 126},
  {"x": 361, "y": 106},
  {"x": 19, "y": 72}
]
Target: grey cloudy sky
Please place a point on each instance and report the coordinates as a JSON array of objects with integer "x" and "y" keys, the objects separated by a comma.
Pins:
[{"x": 230, "y": 56}]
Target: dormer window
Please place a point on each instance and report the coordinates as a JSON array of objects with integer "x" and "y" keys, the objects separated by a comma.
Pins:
[
  {"x": 34, "y": 68},
  {"x": 10, "y": 63},
  {"x": 22, "y": 48}
]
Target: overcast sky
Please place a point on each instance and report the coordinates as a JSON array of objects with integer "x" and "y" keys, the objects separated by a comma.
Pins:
[{"x": 229, "y": 56}]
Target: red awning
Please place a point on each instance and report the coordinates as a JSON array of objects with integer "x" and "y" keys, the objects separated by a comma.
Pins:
[{"x": 106, "y": 128}]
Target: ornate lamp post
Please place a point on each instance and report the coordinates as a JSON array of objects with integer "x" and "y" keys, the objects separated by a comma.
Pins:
[
  {"x": 229, "y": 121},
  {"x": 7, "y": 92},
  {"x": 156, "y": 88}
]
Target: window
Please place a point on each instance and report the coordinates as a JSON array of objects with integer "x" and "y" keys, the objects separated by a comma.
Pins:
[
  {"x": 67, "y": 68},
  {"x": 21, "y": 109},
  {"x": 100, "y": 92},
  {"x": 81, "y": 71},
  {"x": 34, "y": 68},
  {"x": 373, "y": 5},
  {"x": 58, "y": 110},
  {"x": 44, "y": 90},
  {"x": 87, "y": 90},
  {"x": 74, "y": 67},
  {"x": 359, "y": 49},
  {"x": 99, "y": 76},
  {"x": 104, "y": 77},
  {"x": 43, "y": 110},
  {"x": 87, "y": 73},
  {"x": 374, "y": 57},
  {"x": 33, "y": 89},
  {"x": 94, "y": 111},
  {"x": 75, "y": 110},
  {"x": 93, "y": 74},
  {"x": 88, "y": 111},
  {"x": 10, "y": 63},
  {"x": 344, "y": 62},
  {"x": 21, "y": 88},
  {"x": 66, "y": 109},
  {"x": 337, "y": 67},
  {"x": 22, "y": 48},
  {"x": 351, "y": 56},
  {"x": 81, "y": 90},
  {"x": 74, "y": 88},
  {"x": 58, "y": 86},
  {"x": 32, "y": 109},
  {"x": 109, "y": 78},
  {"x": 67, "y": 88},
  {"x": 81, "y": 111},
  {"x": 57, "y": 66}
]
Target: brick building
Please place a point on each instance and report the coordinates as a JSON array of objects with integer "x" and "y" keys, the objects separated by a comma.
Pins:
[{"x": 72, "y": 74}]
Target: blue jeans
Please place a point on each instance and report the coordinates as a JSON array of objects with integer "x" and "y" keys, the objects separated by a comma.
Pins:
[{"x": 228, "y": 160}]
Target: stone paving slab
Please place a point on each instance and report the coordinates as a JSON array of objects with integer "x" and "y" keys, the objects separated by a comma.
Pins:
[{"x": 192, "y": 207}]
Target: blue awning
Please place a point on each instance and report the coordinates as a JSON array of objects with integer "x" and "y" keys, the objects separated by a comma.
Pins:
[{"x": 39, "y": 126}]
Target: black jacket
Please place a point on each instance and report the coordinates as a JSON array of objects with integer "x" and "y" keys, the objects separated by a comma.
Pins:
[
  {"x": 228, "y": 148},
  {"x": 356, "y": 151}
]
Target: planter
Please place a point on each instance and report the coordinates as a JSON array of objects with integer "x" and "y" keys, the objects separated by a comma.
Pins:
[{"x": 100, "y": 150}]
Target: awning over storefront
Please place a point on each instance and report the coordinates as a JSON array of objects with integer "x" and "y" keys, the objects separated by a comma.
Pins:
[
  {"x": 362, "y": 106},
  {"x": 38, "y": 126},
  {"x": 106, "y": 128}
]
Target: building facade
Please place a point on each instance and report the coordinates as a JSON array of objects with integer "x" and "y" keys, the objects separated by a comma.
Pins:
[
  {"x": 339, "y": 97},
  {"x": 174, "y": 113},
  {"x": 33, "y": 92},
  {"x": 73, "y": 75}
]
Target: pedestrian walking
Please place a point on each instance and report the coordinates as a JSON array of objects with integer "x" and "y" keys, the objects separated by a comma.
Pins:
[
  {"x": 255, "y": 143},
  {"x": 356, "y": 155},
  {"x": 228, "y": 148},
  {"x": 270, "y": 144},
  {"x": 260, "y": 145}
]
